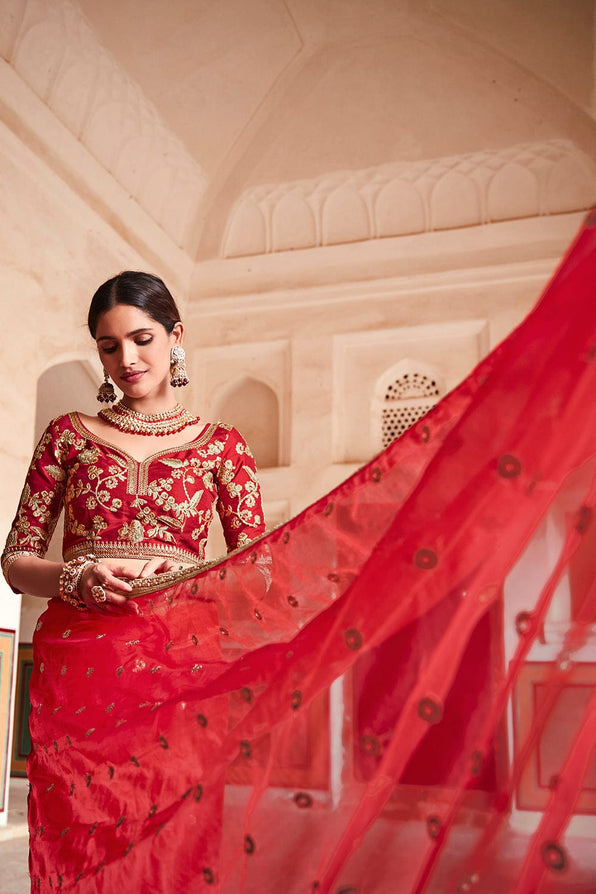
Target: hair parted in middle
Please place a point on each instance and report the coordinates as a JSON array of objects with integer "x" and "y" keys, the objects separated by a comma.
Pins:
[{"x": 143, "y": 290}]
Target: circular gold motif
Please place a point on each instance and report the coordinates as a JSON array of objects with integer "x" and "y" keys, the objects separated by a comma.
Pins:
[
  {"x": 477, "y": 761},
  {"x": 509, "y": 466},
  {"x": 296, "y": 699},
  {"x": 433, "y": 825},
  {"x": 430, "y": 710},
  {"x": 293, "y": 601},
  {"x": 370, "y": 745},
  {"x": 353, "y": 639},
  {"x": 425, "y": 559},
  {"x": 585, "y": 515},
  {"x": 554, "y": 856},
  {"x": 246, "y": 694},
  {"x": 376, "y": 474},
  {"x": 523, "y": 622},
  {"x": 202, "y": 720},
  {"x": 245, "y": 749},
  {"x": 302, "y": 800},
  {"x": 249, "y": 845},
  {"x": 208, "y": 876}
]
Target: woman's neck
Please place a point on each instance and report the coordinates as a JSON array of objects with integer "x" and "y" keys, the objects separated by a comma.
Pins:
[{"x": 149, "y": 406}]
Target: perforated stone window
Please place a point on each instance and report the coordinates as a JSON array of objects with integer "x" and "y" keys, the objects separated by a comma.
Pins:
[{"x": 407, "y": 399}]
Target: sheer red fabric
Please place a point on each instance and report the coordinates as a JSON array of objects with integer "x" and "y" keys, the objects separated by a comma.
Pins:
[{"x": 393, "y": 692}]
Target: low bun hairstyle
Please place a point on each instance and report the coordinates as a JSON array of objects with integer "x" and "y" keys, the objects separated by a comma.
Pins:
[{"x": 143, "y": 290}]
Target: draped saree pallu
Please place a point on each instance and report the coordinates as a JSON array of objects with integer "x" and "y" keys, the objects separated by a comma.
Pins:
[{"x": 393, "y": 692}]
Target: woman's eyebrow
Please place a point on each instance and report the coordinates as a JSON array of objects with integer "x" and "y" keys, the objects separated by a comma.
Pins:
[{"x": 128, "y": 334}]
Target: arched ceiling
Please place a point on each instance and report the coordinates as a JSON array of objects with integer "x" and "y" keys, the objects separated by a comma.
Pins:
[
  {"x": 272, "y": 91},
  {"x": 209, "y": 67}
]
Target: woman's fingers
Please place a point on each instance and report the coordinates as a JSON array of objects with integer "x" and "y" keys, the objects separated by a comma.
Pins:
[
  {"x": 157, "y": 566},
  {"x": 120, "y": 571},
  {"x": 98, "y": 585}
]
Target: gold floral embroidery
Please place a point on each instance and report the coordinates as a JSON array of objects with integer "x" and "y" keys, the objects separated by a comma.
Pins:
[{"x": 165, "y": 503}]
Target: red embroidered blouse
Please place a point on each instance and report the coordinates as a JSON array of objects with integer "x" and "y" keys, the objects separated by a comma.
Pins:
[{"x": 115, "y": 506}]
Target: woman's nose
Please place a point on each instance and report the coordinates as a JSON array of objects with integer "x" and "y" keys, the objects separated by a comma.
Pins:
[{"x": 129, "y": 354}]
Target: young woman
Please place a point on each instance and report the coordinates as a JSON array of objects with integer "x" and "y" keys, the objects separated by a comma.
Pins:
[
  {"x": 139, "y": 484},
  {"x": 140, "y": 481}
]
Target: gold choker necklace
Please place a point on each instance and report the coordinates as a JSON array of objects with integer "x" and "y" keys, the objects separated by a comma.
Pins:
[{"x": 167, "y": 423}]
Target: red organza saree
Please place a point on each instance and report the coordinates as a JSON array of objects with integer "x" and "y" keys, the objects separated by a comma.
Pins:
[{"x": 393, "y": 692}]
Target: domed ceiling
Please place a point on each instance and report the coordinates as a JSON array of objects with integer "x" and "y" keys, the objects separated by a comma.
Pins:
[{"x": 277, "y": 90}]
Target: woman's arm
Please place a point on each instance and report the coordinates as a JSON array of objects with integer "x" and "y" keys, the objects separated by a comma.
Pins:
[
  {"x": 40, "y": 577},
  {"x": 239, "y": 494}
]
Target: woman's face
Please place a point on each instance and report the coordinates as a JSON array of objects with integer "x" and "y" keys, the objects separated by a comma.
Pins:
[{"x": 135, "y": 351}]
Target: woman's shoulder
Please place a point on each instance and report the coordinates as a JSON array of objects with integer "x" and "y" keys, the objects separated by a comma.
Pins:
[
  {"x": 225, "y": 432},
  {"x": 62, "y": 421}
]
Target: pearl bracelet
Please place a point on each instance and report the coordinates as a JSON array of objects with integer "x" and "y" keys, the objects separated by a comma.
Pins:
[{"x": 68, "y": 586}]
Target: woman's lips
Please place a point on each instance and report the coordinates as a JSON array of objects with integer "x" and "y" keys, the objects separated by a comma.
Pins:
[{"x": 132, "y": 376}]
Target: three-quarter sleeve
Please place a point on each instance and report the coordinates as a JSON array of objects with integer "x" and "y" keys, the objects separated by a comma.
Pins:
[
  {"x": 239, "y": 495},
  {"x": 40, "y": 503}
]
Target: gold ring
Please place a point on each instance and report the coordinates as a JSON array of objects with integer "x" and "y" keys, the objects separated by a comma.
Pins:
[{"x": 98, "y": 594}]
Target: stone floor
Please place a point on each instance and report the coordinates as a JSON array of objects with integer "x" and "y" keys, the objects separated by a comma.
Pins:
[{"x": 14, "y": 877}]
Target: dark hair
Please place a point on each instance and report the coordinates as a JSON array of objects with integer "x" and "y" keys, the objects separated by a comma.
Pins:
[{"x": 143, "y": 290}]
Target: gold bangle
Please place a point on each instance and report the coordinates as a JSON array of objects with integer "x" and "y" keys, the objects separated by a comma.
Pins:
[{"x": 68, "y": 586}]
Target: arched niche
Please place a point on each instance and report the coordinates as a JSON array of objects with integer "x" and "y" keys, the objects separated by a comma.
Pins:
[
  {"x": 69, "y": 384},
  {"x": 402, "y": 395},
  {"x": 252, "y": 407},
  {"x": 65, "y": 386}
]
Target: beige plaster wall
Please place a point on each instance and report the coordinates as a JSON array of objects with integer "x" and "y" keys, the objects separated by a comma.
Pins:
[{"x": 329, "y": 188}]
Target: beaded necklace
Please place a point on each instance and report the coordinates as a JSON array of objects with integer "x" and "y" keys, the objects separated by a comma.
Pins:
[{"x": 166, "y": 423}]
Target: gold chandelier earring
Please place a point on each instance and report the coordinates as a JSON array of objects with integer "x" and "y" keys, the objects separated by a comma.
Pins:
[
  {"x": 105, "y": 392},
  {"x": 178, "y": 374}
]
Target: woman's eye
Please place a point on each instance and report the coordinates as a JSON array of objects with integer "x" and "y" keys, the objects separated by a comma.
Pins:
[
  {"x": 108, "y": 350},
  {"x": 145, "y": 341}
]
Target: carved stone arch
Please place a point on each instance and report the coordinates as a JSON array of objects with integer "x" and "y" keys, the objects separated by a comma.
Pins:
[
  {"x": 402, "y": 395},
  {"x": 455, "y": 202},
  {"x": 293, "y": 223},
  {"x": 114, "y": 116},
  {"x": 399, "y": 209},
  {"x": 69, "y": 383},
  {"x": 75, "y": 81},
  {"x": 252, "y": 406},
  {"x": 247, "y": 231},
  {"x": 39, "y": 50},
  {"x": 513, "y": 192},
  {"x": 345, "y": 217}
]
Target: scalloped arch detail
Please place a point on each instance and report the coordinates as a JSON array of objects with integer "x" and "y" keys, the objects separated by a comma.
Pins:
[{"x": 397, "y": 199}]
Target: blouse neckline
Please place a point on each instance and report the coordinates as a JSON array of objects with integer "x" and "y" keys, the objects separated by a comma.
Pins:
[{"x": 82, "y": 429}]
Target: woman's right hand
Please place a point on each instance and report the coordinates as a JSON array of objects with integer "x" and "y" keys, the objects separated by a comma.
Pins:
[{"x": 104, "y": 579}]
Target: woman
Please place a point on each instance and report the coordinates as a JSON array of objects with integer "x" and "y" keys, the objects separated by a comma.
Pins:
[
  {"x": 139, "y": 480},
  {"x": 139, "y": 484}
]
